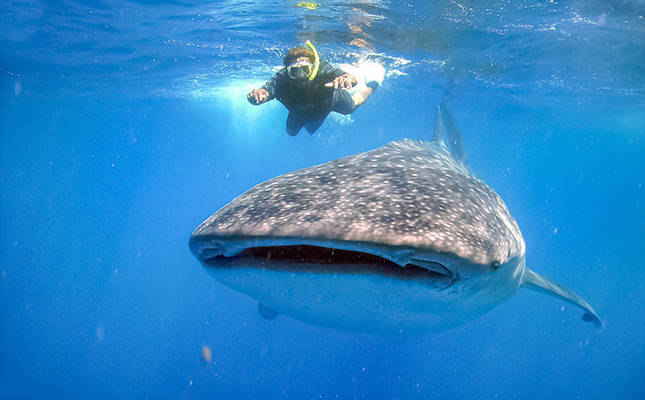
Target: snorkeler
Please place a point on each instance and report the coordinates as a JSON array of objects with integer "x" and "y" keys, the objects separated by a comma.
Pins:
[{"x": 310, "y": 89}]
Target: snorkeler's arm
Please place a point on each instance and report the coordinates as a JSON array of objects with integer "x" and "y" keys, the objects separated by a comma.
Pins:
[
  {"x": 258, "y": 96},
  {"x": 337, "y": 78},
  {"x": 265, "y": 93},
  {"x": 345, "y": 81}
]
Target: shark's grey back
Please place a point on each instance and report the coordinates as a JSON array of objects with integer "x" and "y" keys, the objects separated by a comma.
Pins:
[{"x": 406, "y": 193}]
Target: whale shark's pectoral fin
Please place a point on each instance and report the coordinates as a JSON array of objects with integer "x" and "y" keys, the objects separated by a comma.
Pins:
[
  {"x": 267, "y": 312},
  {"x": 535, "y": 281}
]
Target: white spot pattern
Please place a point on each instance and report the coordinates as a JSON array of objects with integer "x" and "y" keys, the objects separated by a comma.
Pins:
[{"x": 406, "y": 193}]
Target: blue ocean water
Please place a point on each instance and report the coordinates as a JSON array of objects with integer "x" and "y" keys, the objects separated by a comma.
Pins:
[{"x": 124, "y": 124}]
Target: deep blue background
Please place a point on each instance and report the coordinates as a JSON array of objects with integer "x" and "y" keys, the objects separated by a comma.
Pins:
[{"x": 102, "y": 184}]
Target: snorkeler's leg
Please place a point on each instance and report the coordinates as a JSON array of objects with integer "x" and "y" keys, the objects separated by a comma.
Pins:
[
  {"x": 294, "y": 124},
  {"x": 361, "y": 96},
  {"x": 343, "y": 102},
  {"x": 312, "y": 126}
]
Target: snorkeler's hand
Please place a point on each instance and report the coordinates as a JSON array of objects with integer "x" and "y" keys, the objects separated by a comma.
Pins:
[
  {"x": 257, "y": 96},
  {"x": 345, "y": 81}
]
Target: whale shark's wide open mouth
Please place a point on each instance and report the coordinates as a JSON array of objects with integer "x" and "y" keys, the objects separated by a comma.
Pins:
[{"x": 306, "y": 258}]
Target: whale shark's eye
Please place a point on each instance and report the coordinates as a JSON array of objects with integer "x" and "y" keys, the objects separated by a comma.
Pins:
[{"x": 495, "y": 265}]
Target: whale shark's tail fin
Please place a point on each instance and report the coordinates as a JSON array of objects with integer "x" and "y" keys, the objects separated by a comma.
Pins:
[{"x": 535, "y": 281}]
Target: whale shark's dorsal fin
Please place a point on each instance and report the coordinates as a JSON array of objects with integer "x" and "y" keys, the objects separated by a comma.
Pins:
[
  {"x": 437, "y": 133},
  {"x": 444, "y": 124},
  {"x": 455, "y": 141},
  {"x": 535, "y": 281}
]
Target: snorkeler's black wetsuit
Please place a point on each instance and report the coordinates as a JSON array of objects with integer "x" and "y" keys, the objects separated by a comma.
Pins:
[{"x": 310, "y": 103}]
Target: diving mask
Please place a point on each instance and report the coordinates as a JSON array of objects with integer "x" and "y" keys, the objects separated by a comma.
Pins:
[{"x": 300, "y": 70}]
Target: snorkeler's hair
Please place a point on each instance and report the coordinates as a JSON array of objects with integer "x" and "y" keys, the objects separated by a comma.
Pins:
[{"x": 298, "y": 52}]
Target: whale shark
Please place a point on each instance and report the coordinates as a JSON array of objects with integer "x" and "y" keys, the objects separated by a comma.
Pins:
[{"x": 403, "y": 239}]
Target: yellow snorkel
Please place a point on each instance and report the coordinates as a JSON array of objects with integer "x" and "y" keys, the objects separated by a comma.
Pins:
[{"x": 316, "y": 63}]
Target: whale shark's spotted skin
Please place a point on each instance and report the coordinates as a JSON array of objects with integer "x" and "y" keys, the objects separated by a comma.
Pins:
[
  {"x": 406, "y": 193},
  {"x": 402, "y": 239}
]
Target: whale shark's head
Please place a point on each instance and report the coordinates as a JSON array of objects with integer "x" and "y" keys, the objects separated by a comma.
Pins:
[
  {"x": 401, "y": 239},
  {"x": 406, "y": 218}
]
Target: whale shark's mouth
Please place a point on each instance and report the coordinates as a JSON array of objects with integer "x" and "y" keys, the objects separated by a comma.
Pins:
[{"x": 307, "y": 258}]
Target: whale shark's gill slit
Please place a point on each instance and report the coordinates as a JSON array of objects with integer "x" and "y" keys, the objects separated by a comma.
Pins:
[{"x": 304, "y": 258}]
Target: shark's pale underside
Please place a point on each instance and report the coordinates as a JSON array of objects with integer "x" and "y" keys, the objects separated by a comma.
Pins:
[{"x": 401, "y": 239}]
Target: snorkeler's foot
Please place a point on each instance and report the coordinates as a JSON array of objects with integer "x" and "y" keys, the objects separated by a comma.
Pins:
[
  {"x": 373, "y": 75},
  {"x": 372, "y": 85}
]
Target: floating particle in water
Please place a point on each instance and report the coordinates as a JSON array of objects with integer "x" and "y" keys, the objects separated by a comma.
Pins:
[{"x": 207, "y": 355}]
